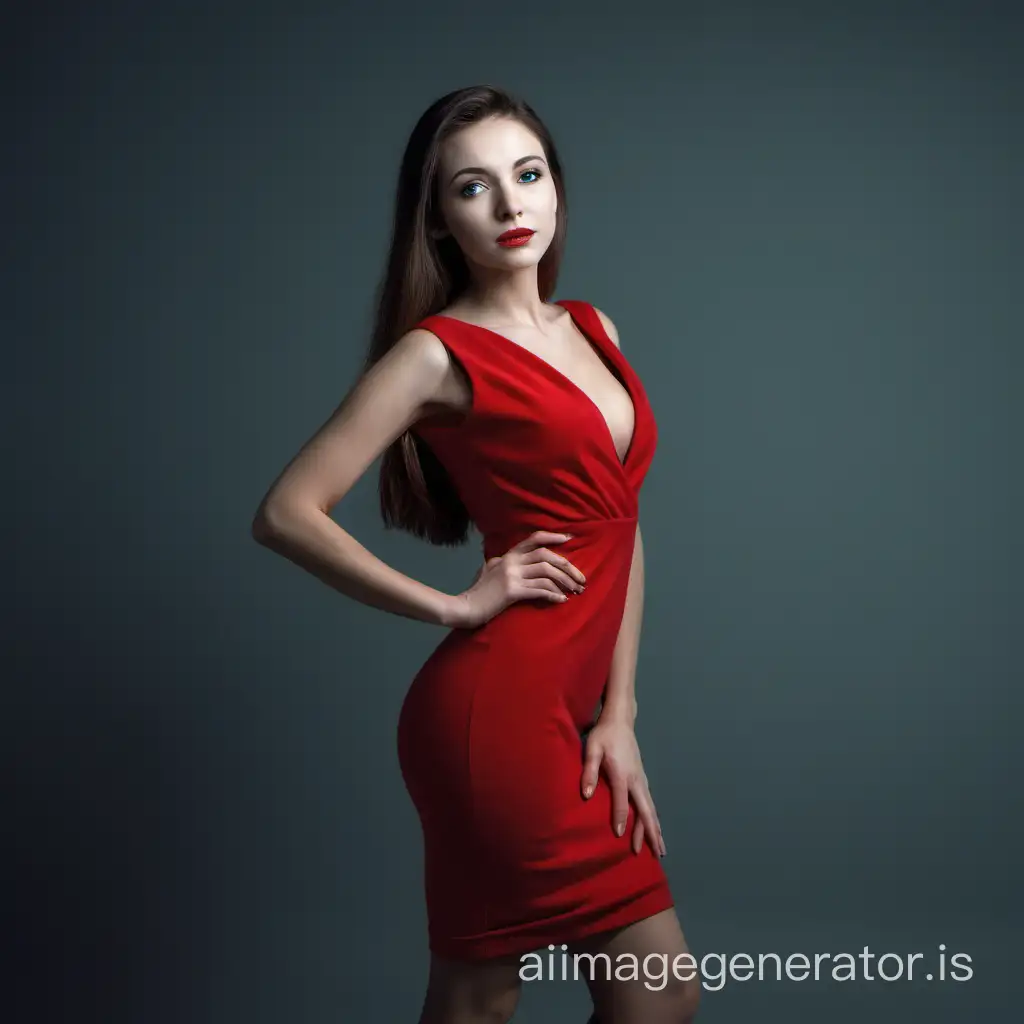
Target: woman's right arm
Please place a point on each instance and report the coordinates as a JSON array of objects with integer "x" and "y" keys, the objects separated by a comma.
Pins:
[{"x": 294, "y": 517}]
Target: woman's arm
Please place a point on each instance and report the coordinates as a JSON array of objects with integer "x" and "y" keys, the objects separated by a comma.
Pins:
[
  {"x": 619, "y": 702},
  {"x": 611, "y": 743},
  {"x": 294, "y": 517}
]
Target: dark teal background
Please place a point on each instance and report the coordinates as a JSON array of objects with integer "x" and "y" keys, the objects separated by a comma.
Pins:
[{"x": 805, "y": 221}]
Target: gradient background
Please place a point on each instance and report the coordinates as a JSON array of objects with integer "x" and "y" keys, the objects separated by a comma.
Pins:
[{"x": 805, "y": 221}]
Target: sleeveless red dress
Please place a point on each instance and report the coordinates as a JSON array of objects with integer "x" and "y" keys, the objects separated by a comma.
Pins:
[{"x": 490, "y": 734}]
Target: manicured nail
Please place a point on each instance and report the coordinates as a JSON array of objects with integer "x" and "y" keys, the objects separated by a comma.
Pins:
[
  {"x": 588, "y": 792},
  {"x": 619, "y": 829}
]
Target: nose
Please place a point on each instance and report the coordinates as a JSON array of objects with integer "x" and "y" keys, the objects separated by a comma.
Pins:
[{"x": 508, "y": 204}]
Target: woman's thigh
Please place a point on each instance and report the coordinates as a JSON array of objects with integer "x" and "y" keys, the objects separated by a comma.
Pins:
[
  {"x": 471, "y": 992},
  {"x": 641, "y": 974}
]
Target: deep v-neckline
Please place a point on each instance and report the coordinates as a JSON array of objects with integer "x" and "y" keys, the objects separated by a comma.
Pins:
[{"x": 539, "y": 361}]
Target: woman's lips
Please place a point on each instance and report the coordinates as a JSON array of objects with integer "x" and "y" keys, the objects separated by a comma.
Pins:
[{"x": 511, "y": 241}]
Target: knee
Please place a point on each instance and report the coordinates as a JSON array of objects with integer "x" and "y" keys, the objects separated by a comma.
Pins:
[
  {"x": 675, "y": 1004},
  {"x": 461, "y": 993},
  {"x": 471, "y": 1005},
  {"x": 686, "y": 1000},
  {"x": 499, "y": 1007},
  {"x": 489, "y": 1004}
]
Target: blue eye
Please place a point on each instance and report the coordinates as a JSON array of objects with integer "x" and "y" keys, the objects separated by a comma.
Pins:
[{"x": 538, "y": 174}]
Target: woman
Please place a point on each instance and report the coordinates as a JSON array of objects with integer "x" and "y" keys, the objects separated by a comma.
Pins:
[{"x": 490, "y": 405}]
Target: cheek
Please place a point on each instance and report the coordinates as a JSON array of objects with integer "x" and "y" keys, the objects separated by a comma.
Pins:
[
  {"x": 467, "y": 225},
  {"x": 551, "y": 203}
]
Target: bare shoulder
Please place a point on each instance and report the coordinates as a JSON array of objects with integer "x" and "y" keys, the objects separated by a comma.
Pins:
[
  {"x": 442, "y": 381},
  {"x": 609, "y": 327},
  {"x": 423, "y": 349}
]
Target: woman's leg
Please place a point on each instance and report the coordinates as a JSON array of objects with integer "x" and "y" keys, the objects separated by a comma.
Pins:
[
  {"x": 655, "y": 994},
  {"x": 471, "y": 992}
]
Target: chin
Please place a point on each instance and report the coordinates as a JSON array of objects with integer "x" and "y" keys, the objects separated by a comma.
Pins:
[
  {"x": 503, "y": 259},
  {"x": 517, "y": 261}
]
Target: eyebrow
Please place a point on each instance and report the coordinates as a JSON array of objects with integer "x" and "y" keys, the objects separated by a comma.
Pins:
[{"x": 483, "y": 170}]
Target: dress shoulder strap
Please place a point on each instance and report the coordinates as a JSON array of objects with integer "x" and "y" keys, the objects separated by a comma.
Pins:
[
  {"x": 452, "y": 334},
  {"x": 585, "y": 314}
]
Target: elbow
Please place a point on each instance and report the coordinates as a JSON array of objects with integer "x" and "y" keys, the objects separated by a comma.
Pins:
[
  {"x": 261, "y": 529},
  {"x": 267, "y": 525},
  {"x": 277, "y": 520}
]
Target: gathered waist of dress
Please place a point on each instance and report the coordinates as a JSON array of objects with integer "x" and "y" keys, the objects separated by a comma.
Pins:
[{"x": 498, "y": 541}]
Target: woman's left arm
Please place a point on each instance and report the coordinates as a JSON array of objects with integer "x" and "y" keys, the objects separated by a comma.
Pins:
[{"x": 612, "y": 740}]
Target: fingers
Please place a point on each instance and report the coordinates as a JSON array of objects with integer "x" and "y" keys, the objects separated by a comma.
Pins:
[
  {"x": 540, "y": 573},
  {"x": 558, "y": 562},
  {"x": 537, "y": 573},
  {"x": 638, "y": 835},
  {"x": 648, "y": 817},
  {"x": 591, "y": 771},
  {"x": 620, "y": 804},
  {"x": 617, "y": 781},
  {"x": 544, "y": 589},
  {"x": 646, "y": 823},
  {"x": 533, "y": 550},
  {"x": 552, "y": 570},
  {"x": 539, "y": 537}
]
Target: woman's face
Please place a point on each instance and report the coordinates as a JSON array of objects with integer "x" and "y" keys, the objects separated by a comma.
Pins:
[{"x": 492, "y": 176}]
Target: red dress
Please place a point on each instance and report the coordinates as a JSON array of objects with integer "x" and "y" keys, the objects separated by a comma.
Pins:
[{"x": 490, "y": 732}]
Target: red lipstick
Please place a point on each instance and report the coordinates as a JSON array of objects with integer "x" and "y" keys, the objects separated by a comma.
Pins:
[{"x": 514, "y": 237}]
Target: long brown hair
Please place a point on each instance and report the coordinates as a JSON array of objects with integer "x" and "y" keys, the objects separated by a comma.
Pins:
[{"x": 424, "y": 275}]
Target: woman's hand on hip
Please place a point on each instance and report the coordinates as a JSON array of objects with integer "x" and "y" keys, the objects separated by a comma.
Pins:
[{"x": 528, "y": 571}]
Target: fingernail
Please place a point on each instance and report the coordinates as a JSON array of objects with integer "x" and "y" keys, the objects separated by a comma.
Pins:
[
  {"x": 619, "y": 829},
  {"x": 588, "y": 792}
]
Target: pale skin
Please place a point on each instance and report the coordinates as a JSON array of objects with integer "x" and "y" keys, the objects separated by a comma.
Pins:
[{"x": 414, "y": 379}]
